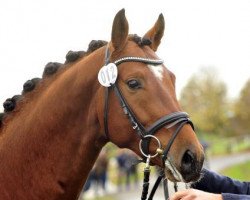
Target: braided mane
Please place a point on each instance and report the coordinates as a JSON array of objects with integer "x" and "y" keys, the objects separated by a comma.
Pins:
[{"x": 51, "y": 69}]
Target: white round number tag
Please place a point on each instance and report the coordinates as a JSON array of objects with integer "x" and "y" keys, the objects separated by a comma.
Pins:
[{"x": 108, "y": 75}]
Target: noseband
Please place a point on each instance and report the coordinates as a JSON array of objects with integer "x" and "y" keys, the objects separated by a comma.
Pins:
[{"x": 146, "y": 134}]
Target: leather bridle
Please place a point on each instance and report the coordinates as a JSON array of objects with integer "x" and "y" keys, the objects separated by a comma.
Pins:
[{"x": 176, "y": 118}]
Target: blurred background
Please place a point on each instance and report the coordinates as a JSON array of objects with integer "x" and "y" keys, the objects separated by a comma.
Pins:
[{"x": 206, "y": 45}]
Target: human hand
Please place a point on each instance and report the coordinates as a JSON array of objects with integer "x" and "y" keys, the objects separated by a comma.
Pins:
[{"x": 192, "y": 194}]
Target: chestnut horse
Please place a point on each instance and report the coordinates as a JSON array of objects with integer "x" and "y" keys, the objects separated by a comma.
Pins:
[{"x": 50, "y": 141}]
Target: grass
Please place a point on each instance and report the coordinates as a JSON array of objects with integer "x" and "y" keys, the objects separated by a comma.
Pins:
[
  {"x": 240, "y": 171},
  {"x": 107, "y": 197},
  {"x": 219, "y": 145}
]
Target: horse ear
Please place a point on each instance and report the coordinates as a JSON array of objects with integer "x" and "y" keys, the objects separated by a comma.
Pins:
[
  {"x": 119, "y": 30},
  {"x": 156, "y": 32}
]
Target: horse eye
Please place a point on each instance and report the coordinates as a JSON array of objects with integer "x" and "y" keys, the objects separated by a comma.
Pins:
[{"x": 134, "y": 84}]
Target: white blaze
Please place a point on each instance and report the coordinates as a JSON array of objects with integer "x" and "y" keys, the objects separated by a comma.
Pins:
[{"x": 157, "y": 70}]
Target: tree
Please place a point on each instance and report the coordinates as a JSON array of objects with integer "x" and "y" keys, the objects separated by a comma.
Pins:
[
  {"x": 204, "y": 98},
  {"x": 241, "y": 119}
]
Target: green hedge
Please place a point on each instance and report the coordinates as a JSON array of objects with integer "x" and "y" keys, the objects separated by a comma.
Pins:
[{"x": 240, "y": 171}]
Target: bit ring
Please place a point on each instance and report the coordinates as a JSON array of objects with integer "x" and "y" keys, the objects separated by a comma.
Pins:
[{"x": 149, "y": 155}]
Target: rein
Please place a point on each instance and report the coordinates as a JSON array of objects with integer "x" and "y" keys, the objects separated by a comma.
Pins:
[{"x": 146, "y": 134}]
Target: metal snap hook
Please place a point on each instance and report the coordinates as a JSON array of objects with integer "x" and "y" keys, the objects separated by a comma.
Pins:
[{"x": 149, "y": 155}]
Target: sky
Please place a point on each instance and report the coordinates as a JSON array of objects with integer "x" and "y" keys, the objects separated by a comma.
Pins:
[{"x": 199, "y": 33}]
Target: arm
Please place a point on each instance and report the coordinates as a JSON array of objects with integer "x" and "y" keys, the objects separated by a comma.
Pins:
[
  {"x": 217, "y": 187},
  {"x": 194, "y": 194},
  {"x": 215, "y": 183},
  {"x": 228, "y": 196}
]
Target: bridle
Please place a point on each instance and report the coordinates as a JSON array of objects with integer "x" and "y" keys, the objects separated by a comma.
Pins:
[{"x": 145, "y": 133}]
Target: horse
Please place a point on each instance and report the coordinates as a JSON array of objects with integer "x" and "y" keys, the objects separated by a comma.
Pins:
[{"x": 119, "y": 92}]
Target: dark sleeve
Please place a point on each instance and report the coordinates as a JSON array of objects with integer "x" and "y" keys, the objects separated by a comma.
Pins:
[
  {"x": 215, "y": 183},
  {"x": 227, "y": 196}
]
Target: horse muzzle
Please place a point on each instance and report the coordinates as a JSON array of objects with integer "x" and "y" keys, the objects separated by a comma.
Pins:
[
  {"x": 191, "y": 166},
  {"x": 188, "y": 170}
]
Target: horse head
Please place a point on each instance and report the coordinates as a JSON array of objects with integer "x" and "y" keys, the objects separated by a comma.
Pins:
[
  {"x": 118, "y": 91},
  {"x": 138, "y": 107}
]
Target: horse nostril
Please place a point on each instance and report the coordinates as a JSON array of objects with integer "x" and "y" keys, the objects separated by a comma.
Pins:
[
  {"x": 188, "y": 161},
  {"x": 190, "y": 166}
]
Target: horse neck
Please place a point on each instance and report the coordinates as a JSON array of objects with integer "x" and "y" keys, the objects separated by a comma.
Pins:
[{"x": 51, "y": 145}]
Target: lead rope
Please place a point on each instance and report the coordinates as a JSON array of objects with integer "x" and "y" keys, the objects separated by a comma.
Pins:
[
  {"x": 165, "y": 186},
  {"x": 146, "y": 179},
  {"x": 156, "y": 185}
]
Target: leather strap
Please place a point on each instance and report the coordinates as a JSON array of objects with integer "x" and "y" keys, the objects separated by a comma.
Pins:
[
  {"x": 168, "y": 120},
  {"x": 106, "y": 110}
]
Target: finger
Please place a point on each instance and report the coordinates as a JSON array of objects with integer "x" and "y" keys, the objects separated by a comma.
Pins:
[
  {"x": 188, "y": 197},
  {"x": 179, "y": 195}
]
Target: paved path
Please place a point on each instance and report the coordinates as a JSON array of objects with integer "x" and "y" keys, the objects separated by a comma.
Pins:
[
  {"x": 219, "y": 163},
  {"x": 215, "y": 164}
]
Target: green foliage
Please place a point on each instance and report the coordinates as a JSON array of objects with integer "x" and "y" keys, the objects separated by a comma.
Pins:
[
  {"x": 240, "y": 172},
  {"x": 204, "y": 98},
  {"x": 240, "y": 121},
  {"x": 221, "y": 145}
]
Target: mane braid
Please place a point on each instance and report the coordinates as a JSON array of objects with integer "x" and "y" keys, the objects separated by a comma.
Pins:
[
  {"x": 10, "y": 103},
  {"x": 96, "y": 44},
  {"x": 50, "y": 69},
  {"x": 30, "y": 85},
  {"x": 72, "y": 56},
  {"x": 1, "y": 119},
  {"x": 140, "y": 41}
]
